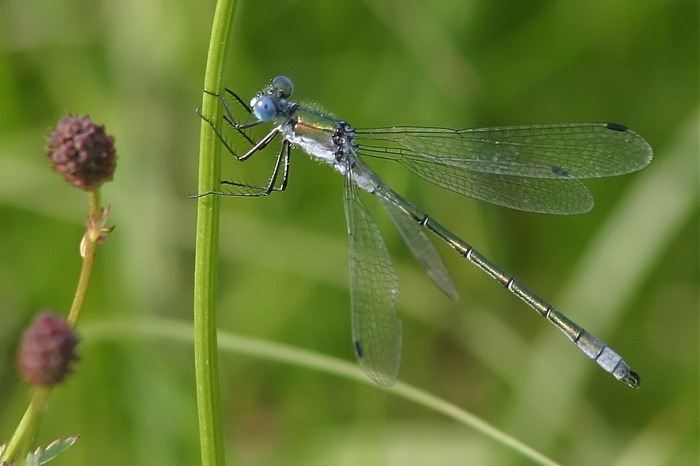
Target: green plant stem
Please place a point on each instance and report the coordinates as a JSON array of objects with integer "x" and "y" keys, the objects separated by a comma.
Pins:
[
  {"x": 90, "y": 242},
  {"x": 206, "y": 249},
  {"x": 18, "y": 446}
]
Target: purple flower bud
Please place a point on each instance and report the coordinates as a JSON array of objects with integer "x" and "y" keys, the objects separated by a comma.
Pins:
[
  {"x": 82, "y": 152},
  {"x": 47, "y": 351}
]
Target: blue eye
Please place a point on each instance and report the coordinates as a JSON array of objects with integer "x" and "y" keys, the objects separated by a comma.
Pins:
[{"x": 263, "y": 108}]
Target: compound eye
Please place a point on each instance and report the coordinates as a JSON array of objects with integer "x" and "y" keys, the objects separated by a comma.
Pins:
[
  {"x": 284, "y": 86},
  {"x": 263, "y": 108}
]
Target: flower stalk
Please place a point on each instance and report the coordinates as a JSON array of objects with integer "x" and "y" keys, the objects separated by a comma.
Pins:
[{"x": 84, "y": 154}]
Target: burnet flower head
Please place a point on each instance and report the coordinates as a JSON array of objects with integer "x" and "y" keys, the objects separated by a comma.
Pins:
[
  {"x": 82, "y": 152},
  {"x": 47, "y": 352}
]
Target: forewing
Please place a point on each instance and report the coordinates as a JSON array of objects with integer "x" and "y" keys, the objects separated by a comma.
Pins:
[
  {"x": 584, "y": 150},
  {"x": 534, "y": 168}
]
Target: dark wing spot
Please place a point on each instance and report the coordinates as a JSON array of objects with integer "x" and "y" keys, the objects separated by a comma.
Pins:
[
  {"x": 616, "y": 127},
  {"x": 561, "y": 172},
  {"x": 358, "y": 349}
]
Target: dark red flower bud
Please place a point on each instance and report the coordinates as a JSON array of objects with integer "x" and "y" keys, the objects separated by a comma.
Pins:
[
  {"x": 47, "y": 351},
  {"x": 82, "y": 152}
]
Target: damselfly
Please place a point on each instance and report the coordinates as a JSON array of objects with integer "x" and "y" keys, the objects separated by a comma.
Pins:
[{"x": 535, "y": 168}]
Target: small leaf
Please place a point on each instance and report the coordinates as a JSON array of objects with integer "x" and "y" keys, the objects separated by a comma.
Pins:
[{"x": 43, "y": 455}]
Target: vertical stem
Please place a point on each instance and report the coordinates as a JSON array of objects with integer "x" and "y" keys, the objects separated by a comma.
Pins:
[
  {"x": 88, "y": 253},
  {"x": 206, "y": 249}
]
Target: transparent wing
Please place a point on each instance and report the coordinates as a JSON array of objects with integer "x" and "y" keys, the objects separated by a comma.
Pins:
[
  {"x": 376, "y": 328},
  {"x": 421, "y": 247},
  {"x": 534, "y": 168}
]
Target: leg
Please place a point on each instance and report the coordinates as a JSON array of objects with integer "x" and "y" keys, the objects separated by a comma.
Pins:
[
  {"x": 282, "y": 157},
  {"x": 281, "y": 162},
  {"x": 230, "y": 119}
]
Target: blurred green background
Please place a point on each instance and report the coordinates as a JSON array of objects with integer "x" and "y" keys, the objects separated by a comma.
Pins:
[{"x": 627, "y": 271}]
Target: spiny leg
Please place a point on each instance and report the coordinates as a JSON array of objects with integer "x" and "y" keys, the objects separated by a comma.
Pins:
[{"x": 282, "y": 161}]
